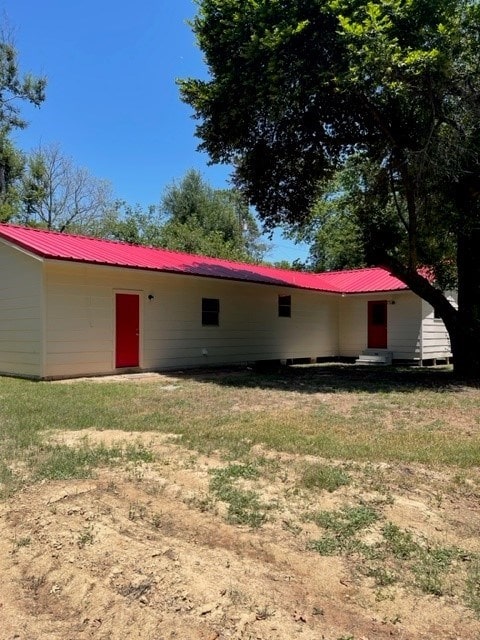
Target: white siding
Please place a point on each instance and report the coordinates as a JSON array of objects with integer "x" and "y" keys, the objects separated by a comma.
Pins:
[
  {"x": 435, "y": 338},
  {"x": 352, "y": 323},
  {"x": 404, "y": 324},
  {"x": 81, "y": 322},
  {"x": 71, "y": 331},
  {"x": 20, "y": 313}
]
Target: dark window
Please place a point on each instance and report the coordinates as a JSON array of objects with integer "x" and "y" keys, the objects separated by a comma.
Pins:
[
  {"x": 284, "y": 306},
  {"x": 379, "y": 314},
  {"x": 436, "y": 315},
  {"x": 210, "y": 311}
]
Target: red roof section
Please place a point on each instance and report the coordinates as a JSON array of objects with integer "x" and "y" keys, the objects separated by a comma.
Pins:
[
  {"x": 62, "y": 246},
  {"x": 366, "y": 280}
]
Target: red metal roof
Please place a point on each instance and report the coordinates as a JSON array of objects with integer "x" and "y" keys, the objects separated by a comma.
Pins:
[
  {"x": 366, "y": 280},
  {"x": 61, "y": 246}
]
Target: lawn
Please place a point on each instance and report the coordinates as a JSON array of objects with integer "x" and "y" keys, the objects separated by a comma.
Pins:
[
  {"x": 371, "y": 472},
  {"x": 336, "y": 412}
]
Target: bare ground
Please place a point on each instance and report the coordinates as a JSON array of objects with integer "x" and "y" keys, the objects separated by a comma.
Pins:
[{"x": 144, "y": 552}]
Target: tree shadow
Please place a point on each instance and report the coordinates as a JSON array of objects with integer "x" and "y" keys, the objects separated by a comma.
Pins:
[{"x": 333, "y": 378}]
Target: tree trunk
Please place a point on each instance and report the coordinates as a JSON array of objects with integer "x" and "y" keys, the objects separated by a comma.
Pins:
[
  {"x": 465, "y": 343},
  {"x": 466, "y": 338},
  {"x": 463, "y": 325}
]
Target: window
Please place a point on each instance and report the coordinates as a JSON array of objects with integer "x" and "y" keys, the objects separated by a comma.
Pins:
[
  {"x": 436, "y": 315},
  {"x": 284, "y": 306},
  {"x": 210, "y": 312},
  {"x": 379, "y": 313}
]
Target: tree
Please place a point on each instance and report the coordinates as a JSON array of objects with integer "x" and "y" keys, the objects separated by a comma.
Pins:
[
  {"x": 12, "y": 165},
  {"x": 15, "y": 88},
  {"x": 296, "y": 265},
  {"x": 298, "y": 90},
  {"x": 128, "y": 223},
  {"x": 333, "y": 229},
  {"x": 58, "y": 195},
  {"x": 200, "y": 219},
  {"x": 337, "y": 243},
  {"x": 192, "y": 217}
]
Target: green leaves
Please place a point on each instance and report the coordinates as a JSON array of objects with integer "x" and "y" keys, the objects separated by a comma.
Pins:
[
  {"x": 14, "y": 88},
  {"x": 209, "y": 222},
  {"x": 383, "y": 48}
]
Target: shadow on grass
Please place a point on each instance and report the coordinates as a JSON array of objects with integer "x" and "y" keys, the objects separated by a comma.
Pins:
[{"x": 333, "y": 378}]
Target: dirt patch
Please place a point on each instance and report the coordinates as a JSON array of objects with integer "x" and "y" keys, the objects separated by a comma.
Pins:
[
  {"x": 147, "y": 376},
  {"x": 145, "y": 552}
]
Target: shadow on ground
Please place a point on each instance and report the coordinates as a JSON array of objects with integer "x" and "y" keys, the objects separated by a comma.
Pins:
[{"x": 333, "y": 378}]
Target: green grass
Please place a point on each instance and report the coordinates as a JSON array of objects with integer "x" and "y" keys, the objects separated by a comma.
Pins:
[
  {"x": 382, "y": 577},
  {"x": 398, "y": 556},
  {"x": 323, "y": 477},
  {"x": 386, "y": 416},
  {"x": 86, "y": 536},
  {"x": 429, "y": 565},
  {"x": 472, "y": 587},
  {"x": 59, "y": 462},
  {"x": 342, "y": 528},
  {"x": 244, "y": 506}
]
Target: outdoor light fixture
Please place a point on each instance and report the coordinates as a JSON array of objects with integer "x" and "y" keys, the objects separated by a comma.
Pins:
[{"x": 151, "y": 296}]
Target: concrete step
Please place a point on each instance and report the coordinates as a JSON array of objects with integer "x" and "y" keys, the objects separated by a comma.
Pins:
[{"x": 369, "y": 357}]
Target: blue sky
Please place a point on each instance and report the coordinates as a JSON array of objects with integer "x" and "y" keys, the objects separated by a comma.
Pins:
[{"x": 112, "y": 102}]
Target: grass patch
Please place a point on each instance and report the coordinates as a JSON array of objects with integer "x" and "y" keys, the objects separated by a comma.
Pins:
[
  {"x": 59, "y": 462},
  {"x": 341, "y": 528},
  {"x": 429, "y": 565},
  {"x": 432, "y": 569},
  {"x": 398, "y": 542},
  {"x": 347, "y": 521},
  {"x": 331, "y": 412},
  {"x": 382, "y": 577},
  {"x": 86, "y": 536},
  {"x": 472, "y": 586},
  {"x": 244, "y": 506},
  {"x": 8, "y": 481},
  {"x": 374, "y": 416},
  {"x": 398, "y": 556},
  {"x": 323, "y": 477}
]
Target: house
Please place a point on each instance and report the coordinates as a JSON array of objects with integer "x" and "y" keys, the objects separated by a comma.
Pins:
[{"x": 73, "y": 306}]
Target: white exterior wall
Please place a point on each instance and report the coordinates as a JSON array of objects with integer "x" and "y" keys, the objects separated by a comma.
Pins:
[
  {"x": 404, "y": 317},
  {"x": 58, "y": 319},
  {"x": 80, "y": 335},
  {"x": 21, "y": 317},
  {"x": 435, "y": 338}
]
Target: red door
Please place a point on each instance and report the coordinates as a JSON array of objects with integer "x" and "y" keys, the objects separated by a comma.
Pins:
[
  {"x": 377, "y": 324},
  {"x": 127, "y": 329}
]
